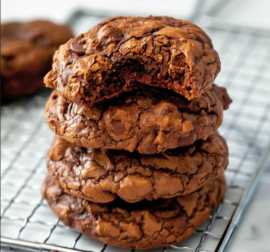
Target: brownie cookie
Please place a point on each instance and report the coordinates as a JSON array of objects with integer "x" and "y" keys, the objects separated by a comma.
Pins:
[
  {"x": 124, "y": 53},
  {"x": 142, "y": 225},
  {"x": 102, "y": 175},
  {"x": 26, "y": 54},
  {"x": 148, "y": 120}
]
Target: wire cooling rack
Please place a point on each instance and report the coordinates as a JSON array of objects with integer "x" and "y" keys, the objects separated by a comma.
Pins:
[{"x": 28, "y": 223}]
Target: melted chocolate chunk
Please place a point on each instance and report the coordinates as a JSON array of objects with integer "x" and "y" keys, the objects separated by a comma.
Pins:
[
  {"x": 66, "y": 74},
  {"x": 77, "y": 47},
  {"x": 185, "y": 141},
  {"x": 118, "y": 127}
]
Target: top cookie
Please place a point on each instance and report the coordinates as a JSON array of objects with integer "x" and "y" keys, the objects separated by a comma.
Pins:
[
  {"x": 123, "y": 53},
  {"x": 26, "y": 54}
]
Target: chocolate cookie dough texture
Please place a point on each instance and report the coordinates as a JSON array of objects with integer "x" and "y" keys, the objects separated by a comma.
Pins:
[
  {"x": 148, "y": 120},
  {"x": 136, "y": 161},
  {"x": 26, "y": 54},
  {"x": 125, "y": 53},
  {"x": 143, "y": 225},
  {"x": 103, "y": 175}
]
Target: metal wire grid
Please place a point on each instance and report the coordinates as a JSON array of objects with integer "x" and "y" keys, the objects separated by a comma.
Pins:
[{"x": 28, "y": 223}]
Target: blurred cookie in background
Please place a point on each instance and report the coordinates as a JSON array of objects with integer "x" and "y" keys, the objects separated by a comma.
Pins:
[{"x": 26, "y": 54}]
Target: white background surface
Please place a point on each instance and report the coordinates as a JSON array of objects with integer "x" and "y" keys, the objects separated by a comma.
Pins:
[
  {"x": 59, "y": 10},
  {"x": 251, "y": 12},
  {"x": 253, "y": 234}
]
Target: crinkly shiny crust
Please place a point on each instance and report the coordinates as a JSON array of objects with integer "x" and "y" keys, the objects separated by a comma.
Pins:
[
  {"x": 148, "y": 120},
  {"x": 123, "y": 53},
  {"x": 26, "y": 54},
  {"x": 102, "y": 175},
  {"x": 142, "y": 225}
]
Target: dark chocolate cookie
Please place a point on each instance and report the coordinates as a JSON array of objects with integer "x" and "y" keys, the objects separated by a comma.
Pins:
[
  {"x": 124, "y": 53},
  {"x": 142, "y": 225},
  {"x": 26, "y": 54},
  {"x": 148, "y": 120},
  {"x": 102, "y": 175}
]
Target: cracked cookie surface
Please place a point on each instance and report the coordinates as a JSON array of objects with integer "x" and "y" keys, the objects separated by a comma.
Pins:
[
  {"x": 124, "y": 53},
  {"x": 26, "y": 54},
  {"x": 142, "y": 225},
  {"x": 102, "y": 175},
  {"x": 148, "y": 120}
]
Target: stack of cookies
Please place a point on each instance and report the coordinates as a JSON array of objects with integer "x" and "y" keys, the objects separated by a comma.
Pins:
[{"x": 136, "y": 161}]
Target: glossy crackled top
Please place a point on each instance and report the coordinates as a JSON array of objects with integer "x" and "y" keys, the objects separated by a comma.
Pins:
[
  {"x": 122, "y": 53},
  {"x": 141, "y": 225},
  {"x": 102, "y": 175},
  {"x": 146, "y": 120}
]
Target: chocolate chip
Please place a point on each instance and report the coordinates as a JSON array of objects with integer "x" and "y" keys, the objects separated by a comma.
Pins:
[
  {"x": 76, "y": 47},
  {"x": 147, "y": 145},
  {"x": 185, "y": 141},
  {"x": 149, "y": 148},
  {"x": 66, "y": 74},
  {"x": 145, "y": 120},
  {"x": 118, "y": 127},
  {"x": 108, "y": 34}
]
